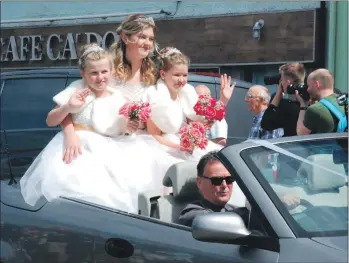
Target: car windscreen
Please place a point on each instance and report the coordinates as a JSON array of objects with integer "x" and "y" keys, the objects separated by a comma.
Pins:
[{"x": 308, "y": 183}]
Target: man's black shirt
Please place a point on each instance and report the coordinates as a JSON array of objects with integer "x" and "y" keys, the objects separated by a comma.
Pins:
[{"x": 284, "y": 116}]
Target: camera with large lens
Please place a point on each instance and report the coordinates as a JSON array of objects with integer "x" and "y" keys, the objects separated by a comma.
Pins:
[
  {"x": 302, "y": 90},
  {"x": 271, "y": 80}
]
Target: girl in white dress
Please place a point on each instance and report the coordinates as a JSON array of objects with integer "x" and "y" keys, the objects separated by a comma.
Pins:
[
  {"x": 93, "y": 107},
  {"x": 173, "y": 108},
  {"x": 174, "y": 100}
]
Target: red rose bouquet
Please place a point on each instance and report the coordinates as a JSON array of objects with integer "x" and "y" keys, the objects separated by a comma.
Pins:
[
  {"x": 136, "y": 111},
  {"x": 211, "y": 109},
  {"x": 193, "y": 136}
]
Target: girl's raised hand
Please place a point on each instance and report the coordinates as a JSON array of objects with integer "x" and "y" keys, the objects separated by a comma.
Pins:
[{"x": 77, "y": 100}]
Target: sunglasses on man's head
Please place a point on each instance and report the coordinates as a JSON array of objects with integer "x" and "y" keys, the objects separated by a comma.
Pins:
[{"x": 219, "y": 180}]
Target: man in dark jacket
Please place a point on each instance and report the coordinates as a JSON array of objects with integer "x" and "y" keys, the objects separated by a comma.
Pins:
[
  {"x": 215, "y": 184},
  {"x": 283, "y": 112}
]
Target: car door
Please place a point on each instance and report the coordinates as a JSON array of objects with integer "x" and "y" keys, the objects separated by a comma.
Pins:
[
  {"x": 155, "y": 241},
  {"x": 72, "y": 231},
  {"x": 122, "y": 237}
]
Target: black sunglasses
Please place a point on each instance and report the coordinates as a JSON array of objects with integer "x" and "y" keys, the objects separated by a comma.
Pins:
[{"x": 219, "y": 180}]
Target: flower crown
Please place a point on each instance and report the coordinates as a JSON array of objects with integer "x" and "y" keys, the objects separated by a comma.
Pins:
[
  {"x": 147, "y": 20},
  {"x": 170, "y": 51}
]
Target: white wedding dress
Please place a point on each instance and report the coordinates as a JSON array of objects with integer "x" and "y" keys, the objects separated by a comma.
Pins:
[{"x": 89, "y": 176}]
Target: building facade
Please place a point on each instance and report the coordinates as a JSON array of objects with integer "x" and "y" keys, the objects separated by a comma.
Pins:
[{"x": 219, "y": 37}]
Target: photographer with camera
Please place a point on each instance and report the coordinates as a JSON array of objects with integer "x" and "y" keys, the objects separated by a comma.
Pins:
[
  {"x": 283, "y": 112},
  {"x": 326, "y": 115}
]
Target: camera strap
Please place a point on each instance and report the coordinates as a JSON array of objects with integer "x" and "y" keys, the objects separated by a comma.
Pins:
[{"x": 342, "y": 119}]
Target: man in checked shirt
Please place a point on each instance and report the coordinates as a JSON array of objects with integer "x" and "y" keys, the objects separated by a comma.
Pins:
[{"x": 257, "y": 99}]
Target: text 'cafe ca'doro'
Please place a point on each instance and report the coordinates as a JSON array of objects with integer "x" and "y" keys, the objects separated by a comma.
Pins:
[{"x": 53, "y": 47}]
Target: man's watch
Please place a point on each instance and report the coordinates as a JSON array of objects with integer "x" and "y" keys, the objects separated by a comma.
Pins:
[{"x": 303, "y": 108}]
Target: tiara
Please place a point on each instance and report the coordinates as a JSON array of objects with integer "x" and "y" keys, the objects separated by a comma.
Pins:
[
  {"x": 91, "y": 49},
  {"x": 170, "y": 51},
  {"x": 147, "y": 20}
]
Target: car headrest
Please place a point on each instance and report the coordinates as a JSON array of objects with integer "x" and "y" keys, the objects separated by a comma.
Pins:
[
  {"x": 322, "y": 179},
  {"x": 182, "y": 178}
]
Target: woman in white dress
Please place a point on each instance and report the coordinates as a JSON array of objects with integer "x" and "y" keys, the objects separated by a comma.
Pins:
[
  {"x": 134, "y": 72},
  {"x": 93, "y": 107}
]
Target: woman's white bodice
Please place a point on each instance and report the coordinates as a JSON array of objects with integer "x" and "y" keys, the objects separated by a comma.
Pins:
[{"x": 131, "y": 92}]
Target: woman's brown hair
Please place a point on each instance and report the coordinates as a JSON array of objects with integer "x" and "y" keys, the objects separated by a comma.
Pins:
[{"x": 130, "y": 26}]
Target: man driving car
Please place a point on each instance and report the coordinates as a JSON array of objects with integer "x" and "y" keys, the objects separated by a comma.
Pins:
[{"x": 215, "y": 184}]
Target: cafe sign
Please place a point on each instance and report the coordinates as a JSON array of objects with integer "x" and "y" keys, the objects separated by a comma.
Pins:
[{"x": 52, "y": 47}]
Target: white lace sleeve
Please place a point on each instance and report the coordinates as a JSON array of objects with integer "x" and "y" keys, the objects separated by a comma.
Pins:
[{"x": 105, "y": 115}]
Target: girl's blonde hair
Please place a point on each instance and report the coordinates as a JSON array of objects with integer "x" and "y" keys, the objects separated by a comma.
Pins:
[
  {"x": 170, "y": 56},
  {"x": 130, "y": 26},
  {"x": 93, "y": 52}
]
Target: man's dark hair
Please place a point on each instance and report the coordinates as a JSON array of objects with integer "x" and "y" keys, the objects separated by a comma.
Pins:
[{"x": 208, "y": 157}]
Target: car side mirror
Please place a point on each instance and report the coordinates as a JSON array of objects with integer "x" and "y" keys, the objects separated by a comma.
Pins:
[
  {"x": 218, "y": 227},
  {"x": 229, "y": 228}
]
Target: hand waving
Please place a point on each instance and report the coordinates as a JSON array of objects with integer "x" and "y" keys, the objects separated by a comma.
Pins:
[
  {"x": 78, "y": 98},
  {"x": 226, "y": 90}
]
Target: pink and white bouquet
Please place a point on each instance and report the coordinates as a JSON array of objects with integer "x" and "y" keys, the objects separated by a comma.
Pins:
[
  {"x": 193, "y": 136},
  {"x": 136, "y": 111}
]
